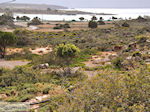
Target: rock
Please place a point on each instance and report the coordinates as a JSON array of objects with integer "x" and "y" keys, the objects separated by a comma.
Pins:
[
  {"x": 41, "y": 66},
  {"x": 40, "y": 98},
  {"x": 98, "y": 61},
  {"x": 147, "y": 40},
  {"x": 129, "y": 58},
  {"x": 147, "y": 60},
  {"x": 108, "y": 63},
  {"x": 31, "y": 101}
]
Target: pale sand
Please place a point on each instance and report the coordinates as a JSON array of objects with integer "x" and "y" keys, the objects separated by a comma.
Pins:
[{"x": 12, "y": 64}]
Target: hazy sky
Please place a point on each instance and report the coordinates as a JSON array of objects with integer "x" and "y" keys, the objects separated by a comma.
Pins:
[{"x": 92, "y": 3}]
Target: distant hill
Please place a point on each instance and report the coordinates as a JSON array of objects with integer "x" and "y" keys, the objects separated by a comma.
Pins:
[{"x": 30, "y": 6}]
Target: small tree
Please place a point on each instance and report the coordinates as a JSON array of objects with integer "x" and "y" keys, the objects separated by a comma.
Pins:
[
  {"x": 114, "y": 18},
  {"x": 25, "y": 18},
  {"x": 92, "y": 24},
  {"x": 101, "y": 19},
  {"x": 6, "y": 39},
  {"x": 94, "y": 18},
  {"x": 17, "y": 18},
  {"x": 141, "y": 19},
  {"x": 101, "y": 22},
  {"x": 81, "y": 18},
  {"x": 35, "y": 21},
  {"x": 6, "y": 20},
  {"x": 67, "y": 52}
]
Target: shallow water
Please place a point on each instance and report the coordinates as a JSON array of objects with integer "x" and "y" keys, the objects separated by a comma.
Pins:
[{"x": 119, "y": 13}]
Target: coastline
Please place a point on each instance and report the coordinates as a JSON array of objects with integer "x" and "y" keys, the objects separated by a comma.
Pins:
[{"x": 54, "y": 12}]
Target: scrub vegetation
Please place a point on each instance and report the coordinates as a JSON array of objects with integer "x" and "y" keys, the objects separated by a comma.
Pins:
[{"x": 93, "y": 70}]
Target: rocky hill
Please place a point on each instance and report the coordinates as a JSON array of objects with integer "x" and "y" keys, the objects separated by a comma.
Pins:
[{"x": 30, "y": 6}]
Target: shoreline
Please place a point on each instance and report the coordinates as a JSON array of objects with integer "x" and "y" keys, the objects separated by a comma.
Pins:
[{"x": 53, "y": 12}]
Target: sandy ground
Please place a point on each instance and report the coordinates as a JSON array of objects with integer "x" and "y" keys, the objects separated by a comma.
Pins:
[
  {"x": 41, "y": 50},
  {"x": 37, "y": 50},
  {"x": 74, "y": 26},
  {"x": 12, "y": 64},
  {"x": 10, "y": 51},
  {"x": 48, "y": 26},
  {"x": 99, "y": 60},
  {"x": 58, "y": 90}
]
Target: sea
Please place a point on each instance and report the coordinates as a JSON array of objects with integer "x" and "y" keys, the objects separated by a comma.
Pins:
[{"x": 119, "y": 13}]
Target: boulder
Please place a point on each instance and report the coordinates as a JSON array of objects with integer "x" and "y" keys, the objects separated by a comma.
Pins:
[
  {"x": 129, "y": 58},
  {"x": 41, "y": 66}
]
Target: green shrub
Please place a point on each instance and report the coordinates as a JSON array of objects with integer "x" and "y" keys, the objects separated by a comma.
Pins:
[
  {"x": 62, "y": 26},
  {"x": 46, "y": 90},
  {"x": 35, "y": 21},
  {"x": 136, "y": 53},
  {"x": 92, "y": 24},
  {"x": 67, "y": 50},
  {"x": 111, "y": 92},
  {"x": 117, "y": 62}
]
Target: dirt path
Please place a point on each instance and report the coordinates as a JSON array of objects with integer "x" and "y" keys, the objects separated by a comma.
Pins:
[{"x": 12, "y": 64}]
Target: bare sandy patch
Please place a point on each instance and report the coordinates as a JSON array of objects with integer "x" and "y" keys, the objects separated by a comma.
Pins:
[
  {"x": 101, "y": 59},
  {"x": 10, "y": 51},
  {"x": 41, "y": 50},
  {"x": 12, "y": 64}
]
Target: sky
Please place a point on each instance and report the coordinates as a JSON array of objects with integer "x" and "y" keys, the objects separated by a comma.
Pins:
[{"x": 91, "y": 3}]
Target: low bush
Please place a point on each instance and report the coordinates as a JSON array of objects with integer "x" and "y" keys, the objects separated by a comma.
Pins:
[
  {"x": 117, "y": 62},
  {"x": 46, "y": 90},
  {"x": 111, "y": 92},
  {"x": 35, "y": 21},
  {"x": 62, "y": 26},
  {"x": 92, "y": 24}
]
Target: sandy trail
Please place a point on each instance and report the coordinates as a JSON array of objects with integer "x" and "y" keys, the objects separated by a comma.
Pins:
[{"x": 12, "y": 64}]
